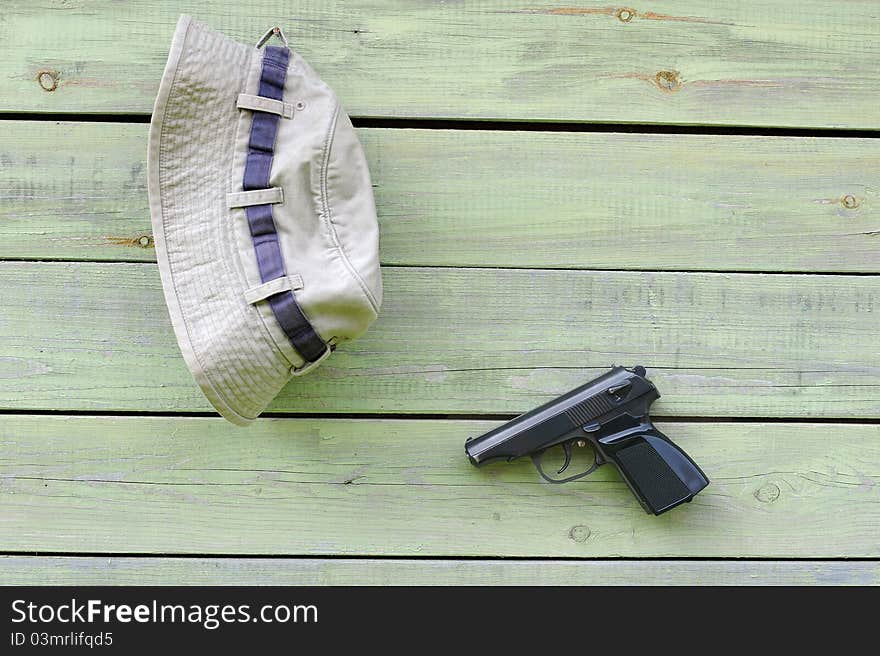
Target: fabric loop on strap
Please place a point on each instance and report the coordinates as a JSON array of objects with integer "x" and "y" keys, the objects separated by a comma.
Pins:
[
  {"x": 260, "y": 104},
  {"x": 267, "y": 289},
  {"x": 257, "y": 170},
  {"x": 271, "y": 196}
]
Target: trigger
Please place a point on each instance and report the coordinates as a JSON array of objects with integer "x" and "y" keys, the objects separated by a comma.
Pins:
[{"x": 567, "y": 447}]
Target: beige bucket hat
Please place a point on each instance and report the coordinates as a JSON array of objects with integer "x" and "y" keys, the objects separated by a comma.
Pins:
[{"x": 263, "y": 216}]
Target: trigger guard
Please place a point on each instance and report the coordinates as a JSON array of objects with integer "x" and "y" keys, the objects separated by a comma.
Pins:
[{"x": 536, "y": 460}]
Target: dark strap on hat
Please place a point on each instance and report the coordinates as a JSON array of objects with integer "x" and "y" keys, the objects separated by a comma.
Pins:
[{"x": 261, "y": 150}]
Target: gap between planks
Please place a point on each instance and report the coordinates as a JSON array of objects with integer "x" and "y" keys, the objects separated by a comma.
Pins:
[{"x": 502, "y": 125}]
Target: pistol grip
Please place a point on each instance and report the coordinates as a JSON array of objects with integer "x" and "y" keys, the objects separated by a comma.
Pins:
[{"x": 659, "y": 473}]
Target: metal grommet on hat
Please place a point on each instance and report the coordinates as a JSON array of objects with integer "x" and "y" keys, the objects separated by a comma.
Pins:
[
  {"x": 264, "y": 220},
  {"x": 272, "y": 31}
]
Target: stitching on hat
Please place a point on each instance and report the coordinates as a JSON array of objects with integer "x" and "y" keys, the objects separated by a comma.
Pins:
[
  {"x": 328, "y": 212},
  {"x": 233, "y": 263},
  {"x": 163, "y": 205}
]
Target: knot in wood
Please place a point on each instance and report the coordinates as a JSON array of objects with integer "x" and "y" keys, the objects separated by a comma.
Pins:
[
  {"x": 579, "y": 533},
  {"x": 667, "y": 80},
  {"x": 768, "y": 493},
  {"x": 48, "y": 80},
  {"x": 850, "y": 202}
]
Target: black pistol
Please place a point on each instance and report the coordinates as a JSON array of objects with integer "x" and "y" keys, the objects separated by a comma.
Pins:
[{"x": 610, "y": 414}]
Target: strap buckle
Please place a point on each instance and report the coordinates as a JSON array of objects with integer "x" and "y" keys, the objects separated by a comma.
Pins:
[{"x": 302, "y": 371}]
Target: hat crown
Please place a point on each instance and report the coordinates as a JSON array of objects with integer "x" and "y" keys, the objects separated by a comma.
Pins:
[{"x": 327, "y": 224}]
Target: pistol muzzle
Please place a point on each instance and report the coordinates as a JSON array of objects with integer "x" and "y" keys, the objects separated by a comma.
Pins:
[{"x": 467, "y": 452}]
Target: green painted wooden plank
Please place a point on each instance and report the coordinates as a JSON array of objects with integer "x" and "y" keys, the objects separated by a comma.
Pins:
[
  {"x": 404, "y": 487},
  {"x": 746, "y": 63},
  {"x": 521, "y": 199},
  {"x": 98, "y": 570},
  {"x": 77, "y": 336}
]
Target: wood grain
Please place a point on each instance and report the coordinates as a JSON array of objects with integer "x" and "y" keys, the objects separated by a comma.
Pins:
[
  {"x": 77, "y": 191},
  {"x": 478, "y": 322},
  {"x": 404, "y": 487},
  {"x": 98, "y": 570},
  {"x": 699, "y": 62},
  {"x": 95, "y": 336}
]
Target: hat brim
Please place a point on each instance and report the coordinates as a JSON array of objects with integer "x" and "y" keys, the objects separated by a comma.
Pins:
[{"x": 192, "y": 141}]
